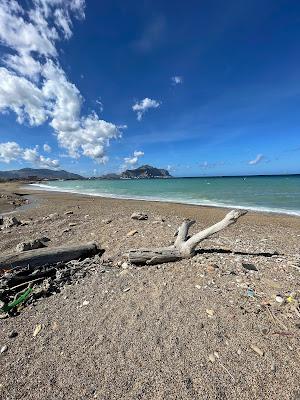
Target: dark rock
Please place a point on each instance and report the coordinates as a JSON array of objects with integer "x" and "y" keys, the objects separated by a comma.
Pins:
[
  {"x": 12, "y": 334},
  {"x": 106, "y": 221},
  {"x": 249, "y": 267}
]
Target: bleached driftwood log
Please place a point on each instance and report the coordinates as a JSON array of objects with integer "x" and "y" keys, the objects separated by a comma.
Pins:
[
  {"x": 183, "y": 247},
  {"x": 47, "y": 255}
]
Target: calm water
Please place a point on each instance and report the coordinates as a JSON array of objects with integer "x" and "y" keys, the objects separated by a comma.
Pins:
[{"x": 272, "y": 193}]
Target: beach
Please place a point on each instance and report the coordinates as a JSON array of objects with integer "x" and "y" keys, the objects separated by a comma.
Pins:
[{"x": 182, "y": 330}]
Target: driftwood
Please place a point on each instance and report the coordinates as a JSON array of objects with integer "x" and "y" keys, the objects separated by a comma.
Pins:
[
  {"x": 183, "y": 247},
  {"x": 53, "y": 255}
]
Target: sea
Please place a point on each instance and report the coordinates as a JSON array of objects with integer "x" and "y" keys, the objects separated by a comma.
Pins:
[{"x": 278, "y": 194}]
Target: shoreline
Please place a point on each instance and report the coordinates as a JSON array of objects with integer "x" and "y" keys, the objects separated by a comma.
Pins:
[
  {"x": 263, "y": 210},
  {"x": 90, "y": 211}
]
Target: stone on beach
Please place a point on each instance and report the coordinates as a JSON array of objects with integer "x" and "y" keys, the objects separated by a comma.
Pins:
[
  {"x": 9, "y": 222},
  {"x": 106, "y": 221},
  {"x": 32, "y": 244},
  {"x": 132, "y": 233},
  {"x": 139, "y": 216}
]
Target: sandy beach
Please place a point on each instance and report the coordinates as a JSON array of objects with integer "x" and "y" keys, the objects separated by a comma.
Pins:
[{"x": 181, "y": 330}]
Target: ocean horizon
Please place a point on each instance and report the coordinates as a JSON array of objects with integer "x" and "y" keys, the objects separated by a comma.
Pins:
[{"x": 265, "y": 193}]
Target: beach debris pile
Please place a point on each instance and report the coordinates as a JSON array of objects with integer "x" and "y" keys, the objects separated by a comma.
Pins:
[
  {"x": 24, "y": 286},
  {"x": 9, "y": 222},
  {"x": 15, "y": 199}
]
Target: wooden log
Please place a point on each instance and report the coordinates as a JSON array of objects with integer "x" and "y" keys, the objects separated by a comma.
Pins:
[
  {"x": 38, "y": 257},
  {"x": 154, "y": 256}
]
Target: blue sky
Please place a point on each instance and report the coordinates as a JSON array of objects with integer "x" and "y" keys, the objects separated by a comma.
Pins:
[{"x": 199, "y": 87}]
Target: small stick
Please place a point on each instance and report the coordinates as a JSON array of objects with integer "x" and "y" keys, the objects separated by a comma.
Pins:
[
  {"x": 277, "y": 319},
  {"x": 225, "y": 369},
  {"x": 27, "y": 283}
]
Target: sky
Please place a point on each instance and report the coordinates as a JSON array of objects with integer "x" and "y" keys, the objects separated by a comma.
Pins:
[{"x": 198, "y": 87}]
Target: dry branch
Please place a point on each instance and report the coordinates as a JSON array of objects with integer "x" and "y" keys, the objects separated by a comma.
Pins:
[{"x": 183, "y": 247}]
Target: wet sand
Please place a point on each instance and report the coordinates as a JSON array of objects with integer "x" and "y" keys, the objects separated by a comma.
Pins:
[{"x": 182, "y": 330}]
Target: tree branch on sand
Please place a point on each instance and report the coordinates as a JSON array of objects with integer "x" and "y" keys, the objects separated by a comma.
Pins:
[{"x": 183, "y": 246}]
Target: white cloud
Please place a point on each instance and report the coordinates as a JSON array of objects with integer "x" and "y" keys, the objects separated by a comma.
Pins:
[
  {"x": 9, "y": 151},
  {"x": 131, "y": 161},
  {"x": 100, "y": 105},
  {"x": 256, "y": 160},
  {"x": 33, "y": 84},
  {"x": 47, "y": 148},
  {"x": 12, "y": 151},
  {"x": 142, "y": 106},
  {"x": 177, "y": 80},
  {"x": 23, "y": 97}
]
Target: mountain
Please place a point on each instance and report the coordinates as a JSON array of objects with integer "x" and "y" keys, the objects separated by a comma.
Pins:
[
  {"x": 37, "y": 174},
  {"x": 145, "y": 172},
  {"x": 109, "y": 176}
]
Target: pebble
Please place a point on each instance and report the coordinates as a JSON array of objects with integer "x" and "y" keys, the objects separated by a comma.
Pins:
[
  {"x": 249, "y": 267},
  {"x": 72, "y": 224},
  {"x": 3, "y": 349},
  {"x": 85, "y": 303},
  {"x": 210, "y": 312},
  {"x": 126, "y": 290},
  {"x": 212, "y": 268},
  {"x": 132, "y": 233},
  {"x": 239, "y": 351},
  {"x": 12, "y": 334},
  {"x": 279, "y": 299},
  {"x": 139, "y": 216},
  {"x": 273, "y": 366},
  {"x": 106, "y": 221},
  {"x": 212, "y": 357},
  {"x": 197, "y": 286},
  {"x": 257, "y": 350},
  {"x": 37, "y": 330},
  {"x": 68, "y": 212}
]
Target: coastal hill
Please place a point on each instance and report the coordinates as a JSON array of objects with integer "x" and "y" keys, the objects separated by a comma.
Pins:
[
  {"x": 143, "y": 172},
  {"x": 37, "y": 174}
]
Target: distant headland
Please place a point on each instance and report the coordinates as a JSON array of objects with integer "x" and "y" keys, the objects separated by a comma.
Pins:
[{"x": 33, "y": 174}]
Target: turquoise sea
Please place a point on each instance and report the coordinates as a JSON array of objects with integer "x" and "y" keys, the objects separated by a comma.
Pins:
[{"x": 279, "y": 194}]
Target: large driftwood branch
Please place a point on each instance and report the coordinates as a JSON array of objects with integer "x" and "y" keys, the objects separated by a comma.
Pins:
[
  {"x": 53, "y": 255},
  {"x": 183, "y": 247}
]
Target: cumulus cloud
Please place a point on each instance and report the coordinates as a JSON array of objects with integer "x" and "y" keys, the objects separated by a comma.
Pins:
[
  {"x": 144, "y": 105},
  {"x": 256, "y": 160},
  {"x": 176, "y": 80},
  {"x": 9, "y": 151},
  {"x": 47, "y": 148},
  {"x": 133, "y": 160},
  {"x": 12, "y": 151},
  {"x": 33, "y": 84}
]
